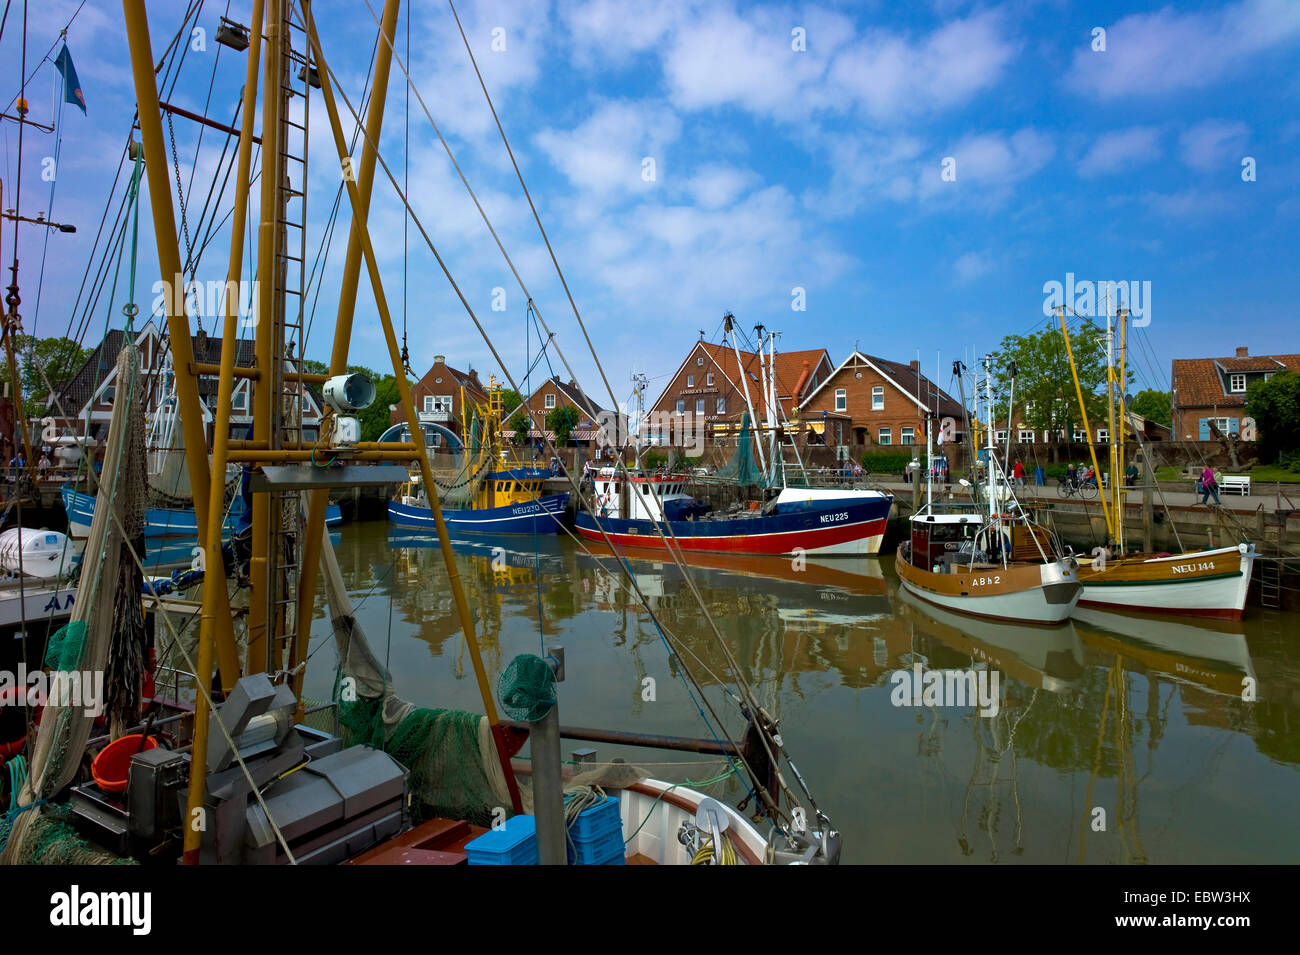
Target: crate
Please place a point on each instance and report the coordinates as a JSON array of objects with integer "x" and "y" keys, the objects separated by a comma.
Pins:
[
  {"x": 596, "y": 836},
  {"x": 515, "y": 843}
]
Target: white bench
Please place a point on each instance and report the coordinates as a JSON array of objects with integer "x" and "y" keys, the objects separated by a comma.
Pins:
[{"x": 1236, "y": 482}]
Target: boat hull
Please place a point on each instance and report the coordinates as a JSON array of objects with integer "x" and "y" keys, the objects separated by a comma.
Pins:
[
  {"x": 1209, "y": 583},
  {"x": 1026, "y": 593},
  {"x": 542, "y": 516},
  {"x": 841, "y": 529},
  {"x": 158, "y": 521}
]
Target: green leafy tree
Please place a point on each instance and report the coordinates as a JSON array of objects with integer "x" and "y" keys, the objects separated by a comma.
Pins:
[
  {"x": 55, "y": 360},
  {"x": 1275, "y": 406},
  {"x": 377, "y": 418},
  {"x": 1153, "y": 405},
  {"x": 562, "y": 421},
  {"x": 1045, "y": 397},
  {"x": 510, "y": 400}
]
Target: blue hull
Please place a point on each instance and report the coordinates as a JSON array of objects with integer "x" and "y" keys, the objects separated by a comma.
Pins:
[
  {"x": 542, "y": 516},
  {"x": 161, "y": 521}
]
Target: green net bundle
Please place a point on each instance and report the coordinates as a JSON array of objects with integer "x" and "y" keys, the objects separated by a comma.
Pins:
[
  {"x": 441, "y": 749},
  {"x": 527, "y": 688},
  {"x": 743, "y": 468}
]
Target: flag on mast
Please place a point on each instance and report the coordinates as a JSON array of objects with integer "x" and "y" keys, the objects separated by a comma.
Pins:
[{"x": 71, "y": 85}]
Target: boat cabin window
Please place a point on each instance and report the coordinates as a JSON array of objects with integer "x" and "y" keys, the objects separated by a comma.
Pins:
[{"x": 952, "y": 532}]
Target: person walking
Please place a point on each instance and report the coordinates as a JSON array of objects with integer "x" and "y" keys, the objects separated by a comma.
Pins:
[
  {"x": 1018, "y": 472},
  {"x": 1209, "y": 486}
]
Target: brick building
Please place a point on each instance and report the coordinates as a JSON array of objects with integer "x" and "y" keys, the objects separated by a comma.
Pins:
[
  {"x": 873, "y": 401},
  {"x": 553, "y": 394},
  {"x": 438, "y": 395},
  {"x": 1206, "y": 390},
  {"x": 708, "y": 386}
]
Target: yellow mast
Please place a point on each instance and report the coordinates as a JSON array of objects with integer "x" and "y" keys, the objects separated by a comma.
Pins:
[
  {"x": 1083, "y": 409},
  {"x": 1120, "y": 491}
]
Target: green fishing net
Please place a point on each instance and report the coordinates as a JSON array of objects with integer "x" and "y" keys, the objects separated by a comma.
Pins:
[
  {"x": 527, "y": 688},
  {"x": 743, "y": 468},
  {"x": 64, "y": 649}
]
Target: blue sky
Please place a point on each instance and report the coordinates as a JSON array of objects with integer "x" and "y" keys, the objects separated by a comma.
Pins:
[{"x": 775, "y": 169}]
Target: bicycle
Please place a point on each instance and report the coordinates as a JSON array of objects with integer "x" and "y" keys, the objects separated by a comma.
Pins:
[{"x": 1086, "y": 490}]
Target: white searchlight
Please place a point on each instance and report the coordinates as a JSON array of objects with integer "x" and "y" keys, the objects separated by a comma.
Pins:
[{"x": 347, "y": 394}]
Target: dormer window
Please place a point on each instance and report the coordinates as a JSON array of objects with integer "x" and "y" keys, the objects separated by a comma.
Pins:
[
  {"x": 699, "y": 361},
  {"x": 1236, "y": 384}
]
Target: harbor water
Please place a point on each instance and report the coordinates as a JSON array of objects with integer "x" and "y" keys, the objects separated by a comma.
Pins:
[{"x": 1109, "y": 740}]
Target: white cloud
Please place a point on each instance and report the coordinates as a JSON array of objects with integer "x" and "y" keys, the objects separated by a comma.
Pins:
[
  {"x": 971, "y": 266},
  {"x": 715, "y": 185},
  {"x": 1166, "y": 51},
  {"x": 1121, "y": 150},
  {"x": 989, "y": 164},
  {"x": 605, "y": 153},
  {"x": 1214, "y": 143}
]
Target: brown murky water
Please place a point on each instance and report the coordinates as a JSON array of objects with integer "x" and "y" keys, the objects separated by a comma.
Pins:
[{"x": 1116, "y": 740}]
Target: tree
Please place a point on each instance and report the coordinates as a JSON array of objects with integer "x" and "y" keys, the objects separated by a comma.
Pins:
[
  {"x": 1275, "y": 406},
  {"x": 1153, "y": 405},
  {"x": 520, "y": 425},
  {"x": 562, "y": 421},
  {"x": 377, "y": 418},
  {"x": 55, "y": 360},
  {"x": 1045, "y": 395},
  {"x": 510, "y": 400}
]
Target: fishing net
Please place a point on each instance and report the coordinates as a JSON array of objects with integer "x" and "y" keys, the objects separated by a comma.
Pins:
[
  {"x": 452, "y": 758},
  {"x": 743, "y": 468},
  {"x": 527, "y": 688},
  {"x": 53, "y": 841},
  {"x": 102, "y": 617}
]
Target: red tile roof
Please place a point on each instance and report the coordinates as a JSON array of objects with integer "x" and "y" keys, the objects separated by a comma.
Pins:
[{"x": 1198, "y": 382}]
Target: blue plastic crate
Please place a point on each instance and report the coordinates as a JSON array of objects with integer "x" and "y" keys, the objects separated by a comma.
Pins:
[
  {"x": 515, "y": 843},
  {"x": 596, "y": 836}
]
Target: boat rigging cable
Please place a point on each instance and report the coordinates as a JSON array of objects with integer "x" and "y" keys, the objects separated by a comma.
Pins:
[{"x": 767, "y": 737}]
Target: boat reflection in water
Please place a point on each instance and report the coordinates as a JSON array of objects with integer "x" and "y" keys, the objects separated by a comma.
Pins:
[
  {"x": 1039, "y": 657},
  {"x": 1212, "y": 654}
]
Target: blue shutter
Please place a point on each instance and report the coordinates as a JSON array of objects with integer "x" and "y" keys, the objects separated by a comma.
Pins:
[
  {"x": 1205, "y": 429},
  {"x": 1234, "y": 426}
]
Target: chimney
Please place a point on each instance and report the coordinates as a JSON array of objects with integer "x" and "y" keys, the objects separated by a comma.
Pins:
[
  {"x": 439, "y": 359},
  {"x": 1243, "y": 352},
  {"x": 915, "y": 365}
]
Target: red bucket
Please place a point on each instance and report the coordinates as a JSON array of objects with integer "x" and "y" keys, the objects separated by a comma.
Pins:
[{"x": 111, "y": 766}]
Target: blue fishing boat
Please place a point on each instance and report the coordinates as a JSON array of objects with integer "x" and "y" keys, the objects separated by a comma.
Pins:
[
  {"x": 507, "y": 502},
  {"x": 161, "y": 521}
]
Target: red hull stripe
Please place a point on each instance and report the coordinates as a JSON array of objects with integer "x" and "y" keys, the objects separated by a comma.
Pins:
[
  {"x": 1221, "y": 613},
  {"x": 780, "y": 543}
]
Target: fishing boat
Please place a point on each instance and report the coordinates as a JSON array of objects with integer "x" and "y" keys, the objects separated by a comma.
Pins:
[
  {"x": 163, "y": 521},
  {"x": 653, "y": 511},
  {"x": 987, "y": 556},
  {"x": 480, "y": 496},
  {"x": 1204, "y": 583}
]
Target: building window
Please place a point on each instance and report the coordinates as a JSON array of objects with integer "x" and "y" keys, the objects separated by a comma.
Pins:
[
  {"x": 841, "y": 399},
  {"x": 690, "y": 381},
  {"x": 885, "y": 437},
  {"x": 708, "y": 379},
  {"x": 1000, "y": 437},
  {"x": 722, "y": 406},
  {"x": 878, "y": 398},
  {"x": 1080, "y": 436},
  {"x": 681, "y": 405},
  {"x": 428, "y": 402},
  {"x": 908, "y": 436},
  {"x": 699, "y": 406},
  {"x": 237, "y": 401},
  {"x": 550, "y": 401},
  {"x": 442, "y": 403},
  {"x": 699, "y": 361},
  {"x": 1026, "y": 436},
  {"x": 1103, "y": 436},
  {"x": 1236, "y": 383}
]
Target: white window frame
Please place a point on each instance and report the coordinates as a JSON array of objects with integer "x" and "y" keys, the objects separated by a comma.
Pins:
[
  {"x": 1000, "y": 437},
  {"x": 1103, "y": 436},
  {"x": 1233, "y": 381},
  {"x": 442, "y": 403},
  {"x": 841, "y": 399},
  {"x": 428, "y": 404},
  {"x": 722, "y": 406},
  {"x": 1223, "y": 424},
  {"x": 708, "y": 379},
  {"x": 877, "y": 397},
  {"x": 907, "y": 436},
  {"x": 1026, "y": 440},
  {"x": 548, "y": 400},
  {"x": 699, "y": 406},
  {"x": 681, "y": 405},
  {"x": 1080, "y": 436},
  {"x": 885, "y": 437}
]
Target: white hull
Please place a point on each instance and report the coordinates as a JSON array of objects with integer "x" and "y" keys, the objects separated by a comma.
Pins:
[
  {"x": 1205, "y": 596},
  {"x": 35, "y": 603},
  {"x": 1028, "y": 605},
  {"x": 667, "y": 808}
]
